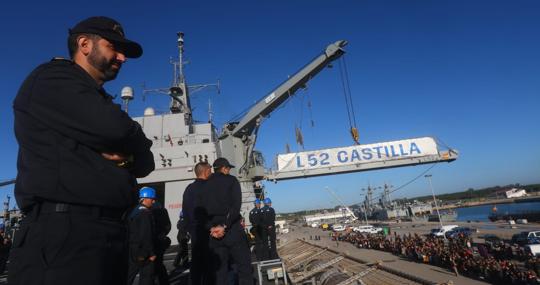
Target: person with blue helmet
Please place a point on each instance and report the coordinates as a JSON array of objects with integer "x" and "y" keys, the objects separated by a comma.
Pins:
[
  {"x": 255, "y": 218},
  {"x": 269, "y": 222},
  {"x": 143, "y": 246}
]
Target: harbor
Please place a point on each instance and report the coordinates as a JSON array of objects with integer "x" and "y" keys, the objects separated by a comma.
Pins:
[{"x": 383, "y": 134}]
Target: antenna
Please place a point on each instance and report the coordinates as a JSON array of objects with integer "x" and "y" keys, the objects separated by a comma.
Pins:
[
  {"x": 126, "y": 95},
  {"x": 210, "y": 112},
  {"x": 180, "y": 65},
  {"x": 180, "y": 91}
]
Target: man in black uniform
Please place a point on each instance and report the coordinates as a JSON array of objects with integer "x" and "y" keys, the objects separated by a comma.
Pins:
[
  {"x": 220, "y": 200},
  {"x": 193, "y": 224},
  {"x": 255, "y": 218},
  {"x": 79, "y": 155},
  {"x": 143, "y": 239},
  {"x": 163, "y": 227},
  {"x": 269, "y": 221}
]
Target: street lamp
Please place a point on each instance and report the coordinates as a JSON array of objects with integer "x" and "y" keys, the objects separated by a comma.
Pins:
[{"x": 428, "y": 176}]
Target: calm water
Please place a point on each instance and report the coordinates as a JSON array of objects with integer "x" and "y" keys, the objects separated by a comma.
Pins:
[{"x": 481, "y": 213}]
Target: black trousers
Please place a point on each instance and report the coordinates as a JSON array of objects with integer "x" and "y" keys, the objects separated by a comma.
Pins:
[
  {"x": 272, "y": 251},
  {"x": 161, "y": 271},
  {"x": 231, "y": 249},
  {"x": 261, "y": 248},
  {"x": 146, "y": 270},
  {"x": 199, "y": 253},
  {"x": 264, "y": 247},
  {"x": 68, "y": 248}
]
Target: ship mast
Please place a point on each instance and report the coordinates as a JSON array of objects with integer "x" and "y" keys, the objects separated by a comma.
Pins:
[{"x": 179, "y": 66}]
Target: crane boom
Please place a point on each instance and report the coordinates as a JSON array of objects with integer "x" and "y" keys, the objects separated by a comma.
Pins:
[
  {"x": 7, "y": 182},
  {"x": 359, "y": 158},
  {"x": 270, "y": 102}
]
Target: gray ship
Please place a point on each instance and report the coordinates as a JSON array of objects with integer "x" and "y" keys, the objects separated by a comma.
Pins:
[{"x": 179, "y": 142}]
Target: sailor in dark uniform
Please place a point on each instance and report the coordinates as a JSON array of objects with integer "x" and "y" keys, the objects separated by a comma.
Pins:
[
  {"x": 193, "y": 221},
  {"x": 79, "y": 157},
  {"x": 255, "y": 218},
  {"x": 269, "y": 220},
  {"x": 221, "y": 200},
  {"x": 143, "y": 239}
]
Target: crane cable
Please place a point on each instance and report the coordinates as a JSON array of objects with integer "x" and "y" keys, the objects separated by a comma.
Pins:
[{"x": 348, "y": 99}]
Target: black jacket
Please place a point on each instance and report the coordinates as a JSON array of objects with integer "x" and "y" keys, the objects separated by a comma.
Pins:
[
  {"x": 268, "y": 216},
  {"x": 142, "y": 234},
  {"x": 189, "y": 203},
  {"x": 255, "y": 217},
  {"x": 63, "y": 122},
  {"x": 220, "y": 200}
]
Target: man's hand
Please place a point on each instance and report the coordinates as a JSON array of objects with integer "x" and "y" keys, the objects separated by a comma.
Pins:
[
  {"x": 217, "y": 232},
  {"x": 116, "y": 157},
  {"x": 121, "y": 160},
  {"x": 152, "y": 258}
]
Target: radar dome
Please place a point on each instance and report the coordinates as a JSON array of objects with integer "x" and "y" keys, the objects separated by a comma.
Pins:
[
  {"x": 126, "y": 93},
  {"x": 149, "y": 111}
]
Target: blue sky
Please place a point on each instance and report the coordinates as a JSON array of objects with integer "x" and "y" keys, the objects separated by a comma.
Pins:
[{"x": 466, "y": 72}]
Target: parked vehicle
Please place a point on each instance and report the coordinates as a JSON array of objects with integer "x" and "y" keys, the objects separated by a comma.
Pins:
[
  {"x": 455, "y": 232},
  {"x": 533, "y": 248},
  {"x": 492, "y": 240},
  {"x": 440, "y": 232},
  {"x": 324, "y": 227},
  {"x": 368, "y": 229},
  {"x": 523, "y": 238},
  {"x": 338, "y": 228}
]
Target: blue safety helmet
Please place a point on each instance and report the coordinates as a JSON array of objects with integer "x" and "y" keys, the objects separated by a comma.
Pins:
[
  {"x": 257, "y": 201},
  {"x": 147, "y": 192},
  {"x": 267, "y": 201}
]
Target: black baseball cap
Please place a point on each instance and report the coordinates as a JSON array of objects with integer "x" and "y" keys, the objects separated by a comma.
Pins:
[
  {"x": 222, "y": 162},
  {"x": 110, "y": 30}
]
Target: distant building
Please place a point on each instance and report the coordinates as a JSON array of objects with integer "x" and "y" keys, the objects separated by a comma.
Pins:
[{"x": 515, "y": 193}]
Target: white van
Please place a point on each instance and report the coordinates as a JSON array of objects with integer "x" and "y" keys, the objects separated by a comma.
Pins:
[
  {"x": 533, "y": 248},
  {"x": 441, "y": 231},
  {"x": 369, "y": 229},
  {"x": 338, "y": 228}
]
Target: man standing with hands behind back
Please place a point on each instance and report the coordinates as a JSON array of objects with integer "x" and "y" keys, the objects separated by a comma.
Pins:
[
  {"x": 79, "y": 155},
  {"x": 221, "y": 200},
  {"x": 193, "y": 224}
]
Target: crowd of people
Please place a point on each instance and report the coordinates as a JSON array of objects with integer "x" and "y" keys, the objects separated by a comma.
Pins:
[{"x": 498, "y": 264}]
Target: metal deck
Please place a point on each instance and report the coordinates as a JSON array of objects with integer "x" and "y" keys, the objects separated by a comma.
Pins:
[{"x": 307, "y": 263}]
